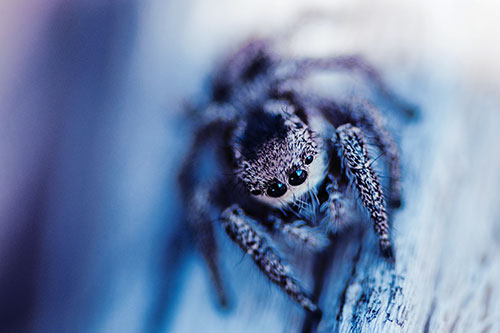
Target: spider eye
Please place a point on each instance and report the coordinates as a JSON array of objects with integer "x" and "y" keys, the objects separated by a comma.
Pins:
[
  {"x": 256, "y": 192},
  {"x": 309, "y": 159},
  {"x": 276, "y": 190},
  {"x": 297, "y": 177}
]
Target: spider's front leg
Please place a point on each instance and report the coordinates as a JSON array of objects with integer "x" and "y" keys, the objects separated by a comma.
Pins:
[
  {"x": 239, "y": 228},
  {"x": 300, "y": 234},
  {"x": 356, "y": 161},
  {"x": 333, "y": 207},
  {"x": 367, "y": 116}
]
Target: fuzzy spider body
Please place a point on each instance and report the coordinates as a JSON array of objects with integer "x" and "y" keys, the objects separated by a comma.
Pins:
[{"x": 285, "y": 161}]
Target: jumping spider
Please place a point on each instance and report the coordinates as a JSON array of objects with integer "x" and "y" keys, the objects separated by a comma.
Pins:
[{"x": 285, "y": 160}]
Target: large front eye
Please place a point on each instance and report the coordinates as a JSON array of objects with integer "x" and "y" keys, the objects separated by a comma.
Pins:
[
  {"x": 276, "y": 190},
  {"x": 309, "y": 159},
  {"x": 297, "y": 177}
]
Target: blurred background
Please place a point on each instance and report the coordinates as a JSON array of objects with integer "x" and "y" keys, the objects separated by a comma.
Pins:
[{"x": 92, "y": 135}]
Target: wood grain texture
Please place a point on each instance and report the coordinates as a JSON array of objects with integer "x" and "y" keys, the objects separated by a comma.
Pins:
[
  {"x": 447, "y": 241},
  {"x": 447, "y": 235},
  {"x": 94, "y": 138}
]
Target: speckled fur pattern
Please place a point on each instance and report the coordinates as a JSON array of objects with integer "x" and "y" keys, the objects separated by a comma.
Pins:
[
  {"x": 239, "y": 229},
  {"x": 354, "y": 155},
  {"x": 333, "y": 208},
  {"x": 262, "y": 127},
  {"x": 277, "y": 157}
]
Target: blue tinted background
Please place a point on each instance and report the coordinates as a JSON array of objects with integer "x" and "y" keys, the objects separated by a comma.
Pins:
[{"x": 92, "y": 135}]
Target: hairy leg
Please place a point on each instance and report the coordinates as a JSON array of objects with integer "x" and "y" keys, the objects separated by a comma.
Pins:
[
  {"x": 299, "y": 233},
  {"x": 333, "y": 207},
  {"x": 200, "y": 220},
  {"x": 368, "y": 117},
  {"x": 352, "y": 149},
  {"x": 254, "y": 58},
  {"x": 358, "y": 64},
  {"x": 197, "y": 195},
  {"x": 239, "y": 228},
  {"x": 365, "y": 115}
]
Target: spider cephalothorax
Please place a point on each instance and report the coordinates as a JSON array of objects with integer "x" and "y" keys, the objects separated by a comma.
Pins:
[
  {"x": 278, "y": 157},
  {"x": 280, "y": 148}
]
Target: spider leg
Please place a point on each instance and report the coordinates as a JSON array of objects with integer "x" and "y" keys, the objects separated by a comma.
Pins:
[
  {"x": 358, "y": 64},
  {"x": 370, "y": 119},
  {"x": 365, "y": 115},
  {"x": 299, "y": 233},
  {"x": 200, "y": 216},
  {"x": 253, "y": 59},
  {"x": 352, "y": 149},
  {"x": 239, "y": 228},
  {"x": 333, "y": 207},
  {"x": 200, "y": 222}
]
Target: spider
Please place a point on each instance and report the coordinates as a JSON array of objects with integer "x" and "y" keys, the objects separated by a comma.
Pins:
[{"x": 285, "y": 161}]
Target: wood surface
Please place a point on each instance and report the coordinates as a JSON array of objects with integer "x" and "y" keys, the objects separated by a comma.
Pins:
[
  {"x": 447, "y": 235},
  {"x": 94, "y": 134}
]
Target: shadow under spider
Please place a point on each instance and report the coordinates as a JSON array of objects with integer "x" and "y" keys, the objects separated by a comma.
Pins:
[{"x": 339, "y": 248}]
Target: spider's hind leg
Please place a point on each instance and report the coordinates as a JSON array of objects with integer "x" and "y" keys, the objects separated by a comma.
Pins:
[
  {"x": 253, "y": 59},
  {"x": 200, "y": 220},
  {"x": 357, "y": 63},
  {"x": 354, "y": 153},
  {"x": 202, "y": 210}
]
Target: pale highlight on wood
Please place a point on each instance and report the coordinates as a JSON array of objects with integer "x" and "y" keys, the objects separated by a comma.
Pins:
[{"x": 446, "y": 237}]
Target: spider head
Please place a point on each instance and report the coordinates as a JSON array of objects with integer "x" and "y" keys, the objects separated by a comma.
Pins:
[{"x": 278, "y": 157}]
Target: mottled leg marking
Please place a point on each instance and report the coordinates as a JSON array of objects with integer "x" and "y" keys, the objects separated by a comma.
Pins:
[
  {"x": 237, "y": 226},
  {"x": 370, "y": 118},
  {"x": 333, "y": 208},
  {"x": 200, "y": 222},
  {"x": 363, "y": 114},
  {"x": 357, "y": 162}
]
